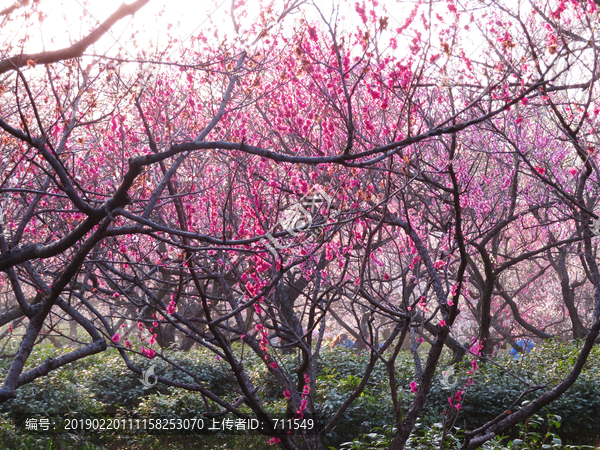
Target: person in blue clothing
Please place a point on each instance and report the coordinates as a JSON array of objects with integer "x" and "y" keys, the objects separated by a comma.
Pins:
[
  {"x": 341, "y": 340},
  {"x": 347, "y": 343},
  {"x": 525, "y": 344}
]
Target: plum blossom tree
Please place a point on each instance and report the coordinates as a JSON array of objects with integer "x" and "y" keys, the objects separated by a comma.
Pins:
[{"x": 249, "y": 194}]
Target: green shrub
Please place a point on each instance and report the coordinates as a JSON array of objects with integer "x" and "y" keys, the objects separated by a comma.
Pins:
[
  {"x": 535, "y": 434},
  {"x": 103, "y": 384}
]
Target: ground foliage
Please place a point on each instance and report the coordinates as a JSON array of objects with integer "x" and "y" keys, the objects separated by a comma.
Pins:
[{"x": 102, "y": 385}]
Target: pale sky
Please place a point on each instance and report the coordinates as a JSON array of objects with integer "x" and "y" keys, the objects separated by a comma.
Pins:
[
  {"x": 68, "y": 20},
  {"x": 75, "y": 18},
  {"x": 72, "y": 19}
]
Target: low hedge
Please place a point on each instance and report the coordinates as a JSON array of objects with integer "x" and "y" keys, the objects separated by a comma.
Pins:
[{"x": 102, "y": 384}]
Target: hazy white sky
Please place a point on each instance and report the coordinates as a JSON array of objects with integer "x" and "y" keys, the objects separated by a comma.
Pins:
[{"x": 69, "y": 20}]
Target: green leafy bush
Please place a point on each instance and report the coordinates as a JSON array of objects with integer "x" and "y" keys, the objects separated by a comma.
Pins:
[
  {"x": 536, "y": 434},
  {"x": 103, "y": 384}
]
